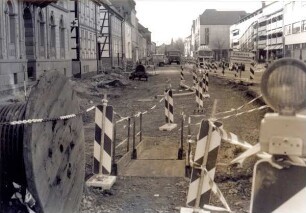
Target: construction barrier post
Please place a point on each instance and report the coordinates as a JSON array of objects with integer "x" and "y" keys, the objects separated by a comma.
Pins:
[
  {"x": 114, "y": 165},
  {"x": 134, "y": 153},
  {"x": 169, "y": 112},
  {"x": 140, "y": 127},
  {"x": 103, "y": 145},
  {"x": 189, "y": 141},
  {"x": 129, "y": 135},
  {"x": 181, "y": 149},
  {"x": 252, "y": 71}
]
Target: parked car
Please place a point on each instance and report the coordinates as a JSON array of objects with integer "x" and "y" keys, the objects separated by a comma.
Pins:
[{"x": 140, "y": 73}]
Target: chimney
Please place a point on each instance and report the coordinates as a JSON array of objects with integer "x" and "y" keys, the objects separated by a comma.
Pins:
[{"x": 263, "y": 4}]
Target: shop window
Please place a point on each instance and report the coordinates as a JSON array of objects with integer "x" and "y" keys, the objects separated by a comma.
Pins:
[{"x": 296, "y": 46}]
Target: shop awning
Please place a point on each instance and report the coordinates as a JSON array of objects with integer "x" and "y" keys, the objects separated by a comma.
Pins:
[{"x": 274, "y": 47}]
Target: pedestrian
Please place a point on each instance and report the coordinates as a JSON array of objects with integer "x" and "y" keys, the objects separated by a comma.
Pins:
[{"x": 223, "y": 67}]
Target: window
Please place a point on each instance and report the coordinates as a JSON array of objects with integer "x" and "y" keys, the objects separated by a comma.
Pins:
[
  {"x": 296, "y": 46},
  {"x": 236, "y": 43},
  {"x": 52, "y": 36},
  {"x": 296, "y": 27},
  {"x": 279, "y": 34},
  {"x": 206, "y": 36},
  {"x": 263, "y": 37},
  {"x": 236, "y": 33},
  {"x": 262, "y": 24},
  {"x": 15, "y": 78},
  {"x": 304, "y": 25},
  {"x": 62, "y": 38},
  {"x": 11, "y": 24},
  {"x": 288, "y": 30},
  {"x": 41, "y": 30},
  {"x": 304, "y": 46}
]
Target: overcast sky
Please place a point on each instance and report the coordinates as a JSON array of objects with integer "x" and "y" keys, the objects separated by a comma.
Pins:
[{"x": 168, "y": 19}]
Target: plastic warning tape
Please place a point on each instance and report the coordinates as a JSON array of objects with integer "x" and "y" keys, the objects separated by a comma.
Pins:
[
  {"x": 241, "y": 107},
  {"x": 137, "y": 114},
  {"x": 242, "y": 113},
  {"x": 103, "y": 140},
  {"x": 231, "y": 137}
]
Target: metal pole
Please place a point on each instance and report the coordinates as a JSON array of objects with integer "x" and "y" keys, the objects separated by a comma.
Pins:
[
  {"x": 168, "y": 111},
  {"x": 134, "y": 153},
  {"x": 104, "y": 103},
  {"x": 197, "y": 204},
  {"x": 140, "y": 127},
  {"x": 128, "y": 137},
  {"x": 24, "y": 82},
  {"x": 114, "y": 165},
  {"x": 188, "y": 169}
]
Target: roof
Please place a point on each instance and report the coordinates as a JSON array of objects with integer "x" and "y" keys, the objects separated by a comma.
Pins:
[{"x": 214, "y": 17}]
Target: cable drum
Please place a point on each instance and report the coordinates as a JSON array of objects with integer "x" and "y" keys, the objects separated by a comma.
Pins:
[
  {"x": 47, "y": 158},
  {"x": 11, "y": 150}
]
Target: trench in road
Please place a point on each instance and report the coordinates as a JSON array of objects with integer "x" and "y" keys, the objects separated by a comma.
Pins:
[{"x": 247, "y": 126}]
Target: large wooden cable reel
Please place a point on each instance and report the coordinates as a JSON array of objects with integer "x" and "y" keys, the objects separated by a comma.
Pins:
[{"x": 53, "y": 151}]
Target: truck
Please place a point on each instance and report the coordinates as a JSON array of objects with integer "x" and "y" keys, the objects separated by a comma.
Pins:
[
  {"x": 204, "y": 53},
  {"x": 174, "y": 56},
  {"x": 159, "y": 60}
]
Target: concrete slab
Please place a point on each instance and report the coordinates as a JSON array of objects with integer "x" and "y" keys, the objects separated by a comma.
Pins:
[
  {"x": 156, "y": 168},
  {"x": 103, "y": 181},
  {"x": 168, "y": 127}
]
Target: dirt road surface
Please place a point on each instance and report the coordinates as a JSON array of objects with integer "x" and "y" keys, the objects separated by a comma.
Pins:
[{"x": 151, "y": 194}]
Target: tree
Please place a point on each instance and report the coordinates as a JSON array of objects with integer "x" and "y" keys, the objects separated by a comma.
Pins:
[{"x": 179, "y": 45}]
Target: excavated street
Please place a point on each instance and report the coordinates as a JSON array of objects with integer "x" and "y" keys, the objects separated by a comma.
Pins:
[{"x": 168, "y": 194}]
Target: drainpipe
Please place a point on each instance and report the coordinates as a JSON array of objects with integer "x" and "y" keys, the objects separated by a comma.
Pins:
[
  {"x": 122, "y": 39},
  {"x": 97, "y": 46},
  {"x": 110, "y": 38}
]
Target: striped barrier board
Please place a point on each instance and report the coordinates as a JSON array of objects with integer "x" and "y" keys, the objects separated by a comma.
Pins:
[
  {"x": 169, "y": 112},
  {"x": 210, "y": 165},
  {"x": 278, "y": 190},
  {"x": 252, "y": 70},
  {"x": 104, "y": 132},
  {"x": 197, "y": 93},
  {"x": 108, "y": 140},
  {"x": 182, "y": 76},
  {"x": 194, "y": 78}
]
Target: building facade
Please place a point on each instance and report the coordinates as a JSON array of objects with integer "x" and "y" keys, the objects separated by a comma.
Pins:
[
  {"x": 260, "y": 32},
  {"x": 295, "y": 29},
  {"x": 212, "y": 29},
  {"x": 187, "y": 47},
  {"x": 84, "y": 33},
  {"x": 33, "y": 39}
]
